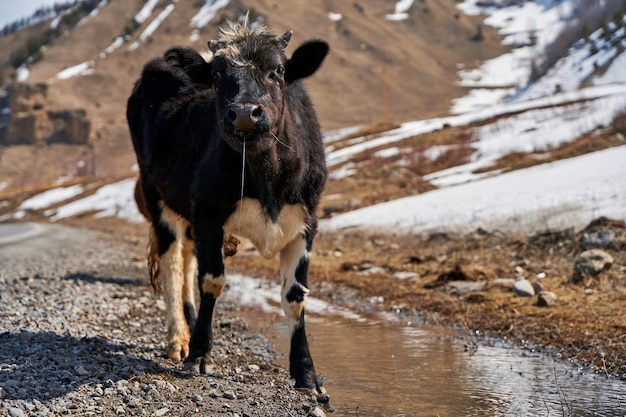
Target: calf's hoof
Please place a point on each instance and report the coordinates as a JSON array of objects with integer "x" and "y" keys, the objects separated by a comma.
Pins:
[
  {"x": 313, "y": 385},
  {"x": 177, "y": 350},
  {"x": 198, "y": 365}
]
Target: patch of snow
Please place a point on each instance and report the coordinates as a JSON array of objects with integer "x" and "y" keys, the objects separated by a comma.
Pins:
[
  {"x": 94, "y": 12},
  {"x": 531, "y": 131},
  {"x": 146, "y": 11},
  {"x": 542, "y": 129},
  {"x": 266, "y": 295},
  {"x": 85, "y": 68},
  {"x": 479, "y": 98},
  {"x": 152, "y": 27},
  {"x": 112, "y": 200},
  {"x": 207, "y": 12},
  {"x": 565, "y": 193},
  {"x": 434, "y": 152},
  {"x": 410, "y": 129},
  {"x": 50, "y": 197},
  {"x": 119, "y": 41},
  {"x": 22, "y": 73},
  {"x": 345, "y": 171},
  {"x": 334, "y": 135},
  {"x": 400, "y": 11},
  {"x": 387, "y": 153},
  {"x": 335, "y": 17}
]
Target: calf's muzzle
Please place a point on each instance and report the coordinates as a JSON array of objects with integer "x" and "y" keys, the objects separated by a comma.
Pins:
[{"x": 246, "y": 117}]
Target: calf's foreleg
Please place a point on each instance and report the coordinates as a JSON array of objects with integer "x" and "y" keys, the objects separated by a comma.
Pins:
[
  {"x": 211, "y": 281},
  {"x": 294, "y": 265}
]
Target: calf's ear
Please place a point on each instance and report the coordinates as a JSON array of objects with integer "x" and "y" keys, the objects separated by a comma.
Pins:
[{"x": 305, "y": 60}]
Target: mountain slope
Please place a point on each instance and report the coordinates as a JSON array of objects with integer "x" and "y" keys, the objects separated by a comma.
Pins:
[{"x": 378, "y": 69}]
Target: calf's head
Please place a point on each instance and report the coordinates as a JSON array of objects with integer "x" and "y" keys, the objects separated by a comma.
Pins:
[{"x": 251, "y": 74}]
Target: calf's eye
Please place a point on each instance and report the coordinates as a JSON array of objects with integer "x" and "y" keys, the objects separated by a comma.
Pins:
[{"x": 280, "y": 70}]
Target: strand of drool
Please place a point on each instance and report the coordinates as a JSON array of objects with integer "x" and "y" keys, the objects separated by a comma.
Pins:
[{"x": 243, "y": 172}]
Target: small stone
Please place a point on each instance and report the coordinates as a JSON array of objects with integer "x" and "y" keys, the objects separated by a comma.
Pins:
[
  {"x": 317, "y": 412},
  {"x": 588, "y": 291},
  {"x": 600, "y": 239},
  {"x": 464, "y": 287},
  {"x": 213, "y": 393},
  {"x": 81, "y": 371},
  {"x": 504, "y": 282},
  {"x": 405, "y": 275},
  {"x": 523, "y": 288},
  {"x": 541, "y": 275},
  {"x": 161, "y": 412},
  {"x": 16, "y": 412},
  {"x": 591, "y": 263},
  {"x": 253, "y": 368},
  {"x": 546, "y": 299},
  {"x": 229, "y": 395}
]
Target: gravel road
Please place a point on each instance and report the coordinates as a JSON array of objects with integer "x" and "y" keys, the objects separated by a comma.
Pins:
[{"x": 81, "y": 333}]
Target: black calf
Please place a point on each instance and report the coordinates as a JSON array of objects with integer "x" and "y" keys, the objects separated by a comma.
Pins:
[{"x": 229, "y": 146}]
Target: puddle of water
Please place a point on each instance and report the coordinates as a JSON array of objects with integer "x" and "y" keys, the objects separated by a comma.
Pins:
[{"x": 374, "y": 368}]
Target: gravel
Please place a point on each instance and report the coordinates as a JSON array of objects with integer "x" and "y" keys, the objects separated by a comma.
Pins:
[{"x": 81, "y": 333}]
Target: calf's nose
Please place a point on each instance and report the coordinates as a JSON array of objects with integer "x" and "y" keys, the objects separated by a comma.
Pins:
[{"x": 245, "y": 117}]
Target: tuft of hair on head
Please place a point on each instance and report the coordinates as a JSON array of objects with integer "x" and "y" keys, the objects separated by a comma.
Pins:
[{"x": 236, "y": 32}]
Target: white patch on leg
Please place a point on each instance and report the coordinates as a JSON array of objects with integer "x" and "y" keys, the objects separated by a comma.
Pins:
[{"x": 289, "y": 261}]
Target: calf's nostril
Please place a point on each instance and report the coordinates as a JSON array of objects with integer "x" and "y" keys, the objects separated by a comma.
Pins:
[{"x": 257, "y": 113}]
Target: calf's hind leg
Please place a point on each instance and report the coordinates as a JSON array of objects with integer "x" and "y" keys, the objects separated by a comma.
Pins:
[{"x": 174, "y": 269}]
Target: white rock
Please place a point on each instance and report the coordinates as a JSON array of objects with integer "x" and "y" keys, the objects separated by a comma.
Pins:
[{"x": 523, "y": 288}]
